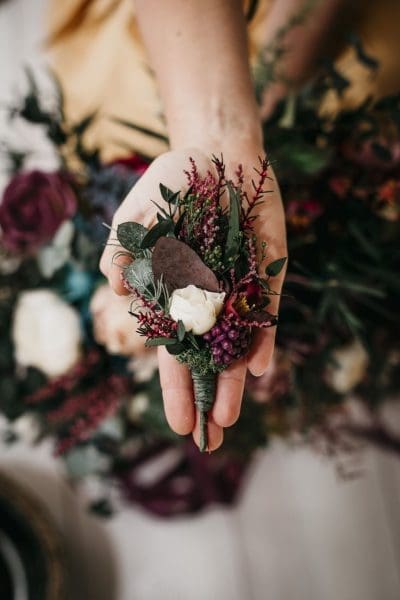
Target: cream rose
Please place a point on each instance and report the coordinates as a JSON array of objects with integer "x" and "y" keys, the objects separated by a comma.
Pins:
[
  {"x": 46, "y": 332},
  {"x": 113, "y": 326},
  {"x": 197, "y": 309},
  {"x": 348, "y": 369}
]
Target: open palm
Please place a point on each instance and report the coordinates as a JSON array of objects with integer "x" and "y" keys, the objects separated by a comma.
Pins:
[{"x": 175, "y": 378}]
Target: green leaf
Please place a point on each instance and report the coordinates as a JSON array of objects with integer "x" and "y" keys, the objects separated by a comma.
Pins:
[
  {"x": 139, "y": 128},
  {"x": 181, "y": 331},
  {"x": 130, "y": 236},
  {"x": 159, "y": 230},
  {"x": 175, "y": 349},
  {"x": 233, "y": 237},
  {"x": 160, "y": 341},
  {"x": 82, "y": 125},
  {"x": 275, "y": 267},
  {"x": 264, "y": 284},
  {"x": 167, "y": 194},
  {"x": 139, "y": 274},
  {"x": 102, "y": 508},
  {"x": 178, "y": 224}
]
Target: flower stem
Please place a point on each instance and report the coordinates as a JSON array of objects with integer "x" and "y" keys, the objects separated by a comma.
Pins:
[{"x": 204, "y": 395}]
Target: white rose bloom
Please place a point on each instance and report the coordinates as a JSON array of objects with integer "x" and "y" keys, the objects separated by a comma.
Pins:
[
  {"x": 46, "y": 332},
  {"x": 196, "y": 308},
  {"x": 27, "y": 428},
  {"x": 137, "y": 406},
  {"x": 349, "y": 369}
]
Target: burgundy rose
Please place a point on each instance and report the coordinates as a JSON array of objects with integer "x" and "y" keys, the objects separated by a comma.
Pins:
[{"x": 33, "y": 207}]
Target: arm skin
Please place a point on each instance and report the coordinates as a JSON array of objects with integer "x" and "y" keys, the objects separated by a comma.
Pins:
[
  {"x": 303, "y": 43},
  {"x": 198, "y": 51}
]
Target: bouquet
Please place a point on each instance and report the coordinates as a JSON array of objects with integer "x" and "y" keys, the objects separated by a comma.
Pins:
[{"x": 195, "y": 276}]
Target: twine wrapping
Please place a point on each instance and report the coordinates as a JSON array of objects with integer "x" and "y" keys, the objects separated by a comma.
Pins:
[{"x": 204, "y": 396}]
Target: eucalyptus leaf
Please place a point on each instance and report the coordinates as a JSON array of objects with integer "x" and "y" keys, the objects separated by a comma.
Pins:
[
  {"x": 159, "y": 230},
  {"x": 167, "y": 194},
  {"x": 275, "y": 267},
  {"x": 160, "y": 341},
  {"x": 175, "y": 349},
  {"x": 130, "y": 235},
  {"x": 181, "y": 331}
]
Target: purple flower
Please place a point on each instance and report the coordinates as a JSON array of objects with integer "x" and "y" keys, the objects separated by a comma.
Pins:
[{"x": 33, "y": 207}]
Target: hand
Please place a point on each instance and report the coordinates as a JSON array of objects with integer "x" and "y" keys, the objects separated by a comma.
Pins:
[{"x": 175, "y": 378}]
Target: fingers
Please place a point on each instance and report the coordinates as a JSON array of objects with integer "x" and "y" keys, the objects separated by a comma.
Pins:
[
  {"x": 177, "y": 390},
  {"x": 137, "y": 206},
  {"x": 229, "y": 394},
  {"x": 111, "y": 265},
  {"x": 261, "y": 351},
  {"x": 215, "y": 433}
]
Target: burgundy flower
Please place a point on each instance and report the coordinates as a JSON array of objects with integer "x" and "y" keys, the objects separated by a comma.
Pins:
[
  {"x": 340, "y": 185},
  {"x": 33, "y": 207},
  {"x": 241, "y": 302},
  {"x": 366, "y": 155},
  {"x": 300, "y": 213},
  {"x": 133, "y": 163}
]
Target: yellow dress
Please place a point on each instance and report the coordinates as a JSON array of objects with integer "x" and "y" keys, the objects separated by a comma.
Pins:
[{"x": 96, "y": 52}]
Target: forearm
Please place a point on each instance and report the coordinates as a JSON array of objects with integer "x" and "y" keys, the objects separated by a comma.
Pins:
[
  {"x": 198, "y": 50},
  {"x": 301, "y": 28}
]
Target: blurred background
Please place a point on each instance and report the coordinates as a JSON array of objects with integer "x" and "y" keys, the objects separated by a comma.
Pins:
[{"x": 98, "y": 499}]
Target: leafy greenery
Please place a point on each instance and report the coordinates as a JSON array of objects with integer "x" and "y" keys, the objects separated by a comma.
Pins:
[{"x": 130, "y": 235}]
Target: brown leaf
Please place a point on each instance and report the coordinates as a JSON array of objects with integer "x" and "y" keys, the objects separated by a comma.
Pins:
[{"x": 181, "y": 266}]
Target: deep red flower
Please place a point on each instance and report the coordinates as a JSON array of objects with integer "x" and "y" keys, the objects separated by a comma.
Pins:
[
  {"x": 33, "y": 207},
  {"x": 241, "y": 302},
  {"x": 134, "y": 163}
]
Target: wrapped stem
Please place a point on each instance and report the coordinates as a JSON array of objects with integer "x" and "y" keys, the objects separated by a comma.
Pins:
[{"x": 204, "y": 396}]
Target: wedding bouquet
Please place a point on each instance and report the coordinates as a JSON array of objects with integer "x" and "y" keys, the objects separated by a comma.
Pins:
[{"x": 195, "y": 276}]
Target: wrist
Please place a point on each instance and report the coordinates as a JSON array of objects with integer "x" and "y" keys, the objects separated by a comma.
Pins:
[{"x": 218, "y": 128}]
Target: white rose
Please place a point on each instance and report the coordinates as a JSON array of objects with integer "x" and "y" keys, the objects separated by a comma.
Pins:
[
  {"x": 137, "y": 406},
  {"x": 55, "y": 254},
  {"x": 46, "y": 332},
  {"x": 348, "y": 370},
  {"x": 197, "y": 309},
  {"x": 27, "y": 428}
]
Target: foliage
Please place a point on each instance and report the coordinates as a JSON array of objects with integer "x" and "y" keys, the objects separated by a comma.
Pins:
[{"x": 340, "y": 180}]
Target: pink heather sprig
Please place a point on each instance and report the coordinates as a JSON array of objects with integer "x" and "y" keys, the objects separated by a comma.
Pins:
[
  {"x": 207, "y": 191},
  {"x": 73, "y": 405},
  {"x": 209, "y": 227},
  {"x": 208, "y": 186},
  {"x": 65, "y": 383},
  {"x": 153, "y": 322},
  {"x": 155, "y": 325},
  {"x": 104, "y": 400},
  {"x": 247, "y": 217}
]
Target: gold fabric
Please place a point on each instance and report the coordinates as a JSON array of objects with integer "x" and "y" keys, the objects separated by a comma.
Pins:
[{"x": 96, "y": 51}]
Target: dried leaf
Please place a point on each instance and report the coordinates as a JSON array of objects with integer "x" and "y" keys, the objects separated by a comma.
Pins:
[{"x": 180, "y": 266}]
